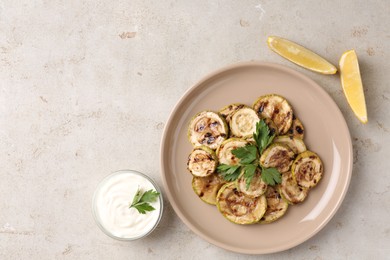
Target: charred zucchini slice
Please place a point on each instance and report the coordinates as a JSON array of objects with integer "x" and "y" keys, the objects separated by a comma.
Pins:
[
  {"x": 243, "y": 122},
  {"x": 202, "y": 161},
  {"x": 276, "y": 206},
  {"x": 207, "y": 128},
  {"x": 224, "y": 151},
  {"x": 307, "y": 169},
  {"x": 229, "y": 110},
  {"x": 290, "y": 191},
  {"x": 207, "y": 187},
  {"x": 277, "y": 109},
  {"x": 297, "y": 128},
  {"x": 296, "y": 144},
  {"x": 257, "y": 186},
  {"x": 237, "y": 207},
  {"x": 279, "y": 156}
]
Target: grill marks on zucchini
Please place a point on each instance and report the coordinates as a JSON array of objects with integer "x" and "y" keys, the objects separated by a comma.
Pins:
[
  {"x": 296, "y": 128},
  {"x": 207, "y": 128},
  {"x": 277, "y": 109},
  {"x": 290, "y": 190},
  {"x": 202, "y": 161},
  {"x": 228, "y": 111},
  {"x": 307, "y": 169},
  {"x": 238, "y": 208},
  {"x": 207, "y": 187},
  {"x": 276, "y": 206},
  {"x": 259, "y": 203},
  {"x": 279, "y": 156},
  {"x": 224, "y": 151},
  {"x": 257, "y": 186}
]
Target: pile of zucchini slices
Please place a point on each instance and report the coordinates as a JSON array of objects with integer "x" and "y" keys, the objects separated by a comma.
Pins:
[{"x": 214, "y": 135}]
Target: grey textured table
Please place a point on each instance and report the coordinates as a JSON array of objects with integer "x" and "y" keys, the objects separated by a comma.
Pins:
[{"x": 86, "y": 88}]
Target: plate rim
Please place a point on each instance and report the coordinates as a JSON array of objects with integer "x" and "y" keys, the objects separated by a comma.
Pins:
[{"x": 178, "y": 104}]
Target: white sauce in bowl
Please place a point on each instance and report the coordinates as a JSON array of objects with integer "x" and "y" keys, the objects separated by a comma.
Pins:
[{"x": 111, "y": 206}]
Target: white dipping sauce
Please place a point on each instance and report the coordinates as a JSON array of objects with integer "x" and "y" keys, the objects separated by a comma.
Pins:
[{"x": 112, "y": 200}]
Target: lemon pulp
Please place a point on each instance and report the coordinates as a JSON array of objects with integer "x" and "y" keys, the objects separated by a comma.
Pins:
[
  {"x": 300, "y": 55},
  {"x": 352, "y": 84}
]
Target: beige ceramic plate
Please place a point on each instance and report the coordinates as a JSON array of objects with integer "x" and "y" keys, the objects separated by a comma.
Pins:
[{"x": 326, "y": 133}]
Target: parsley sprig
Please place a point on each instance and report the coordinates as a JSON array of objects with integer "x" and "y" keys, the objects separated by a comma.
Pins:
[
  {"x": 142, "y": 199},
  {"x": 229, "y": 172},
  {"x": 248, "y": 159},
  {"x": 263, "y": 136}
]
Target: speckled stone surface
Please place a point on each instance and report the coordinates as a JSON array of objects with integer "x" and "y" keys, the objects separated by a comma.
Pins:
[{"x": 87, "y": 86}]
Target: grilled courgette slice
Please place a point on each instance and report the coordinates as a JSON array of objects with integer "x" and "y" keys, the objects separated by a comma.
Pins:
[
  {"x": 207, "y": 128},
  {"x": 257, "y": 186},
  {"x": 279, "y": 156},
  {"x": 307, "y": 169},
  {"x": 243, "y": 122},
  {"x": 228, "y": 111},
  {"x": 224, "y": 151},
  {"x": 207, "y": 187},
  {"x": 290, "y": 190},
  {"x": 237, "y": 207},
  {"x": 276, "y": 206},
  {"x": 296, "y": 144},
  {"x": 277, "y": 109},
  {"x": 202, "y": 161},
  {"x": 297, "y": 128}
]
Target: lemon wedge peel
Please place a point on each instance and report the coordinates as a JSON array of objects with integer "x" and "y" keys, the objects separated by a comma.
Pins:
[
  {"x": 300, "y": 55},
  {"x": 351, "y": 83}
]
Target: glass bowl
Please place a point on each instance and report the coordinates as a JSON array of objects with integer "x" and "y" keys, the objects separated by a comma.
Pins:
[{"x": 122, "y": 186}]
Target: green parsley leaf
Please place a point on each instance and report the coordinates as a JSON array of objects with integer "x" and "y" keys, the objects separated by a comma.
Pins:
[
  {"x": 246, "y": 154},
  {"x": 141, "y": 200},
  {"x": 229, "y": 172},
  {"x": 143, "y": 207},
  {"x": 149, "y": 196},
  {"x": 248, "y": 159},
  {"x": 271, "y": 176},
  {"x": 137, "y": 196},
  {"x": 249, "y": 172},
  {"x": 261, "y": 136}
]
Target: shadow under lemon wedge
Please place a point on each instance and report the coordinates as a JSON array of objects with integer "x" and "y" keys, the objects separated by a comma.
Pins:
[
  {"x": 300, "y": 55},
  {"x": 352, "y": 84}
]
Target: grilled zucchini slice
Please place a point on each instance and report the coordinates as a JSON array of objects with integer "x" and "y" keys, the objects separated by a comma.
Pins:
[
  {"x": 202, "y": 161},
  {"x": 279, "y": 156},
  {"x": 296, "y": 144},
  {"x": 207, "y": 128},
  {"x": 224, "y": 151},
  {"x": 237, "y": 207},
  {"x": 229, "y": 110},
  {"x": 207, "y": 187},
  {"x": 277, "y": 109},
  {"x": 276, "y": 206},
  {"x": 243, "y": 122},
  {"x": 290, "y": 191},
  {"x": 257, "y": 186},
  {"x": 297, "y": 128},
  {"x": 307, "y": 169}
]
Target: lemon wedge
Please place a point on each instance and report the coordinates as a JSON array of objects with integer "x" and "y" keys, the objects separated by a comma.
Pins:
[
  {"x": 300, "y": 55},
  {"x": 352, "y": 84}
]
